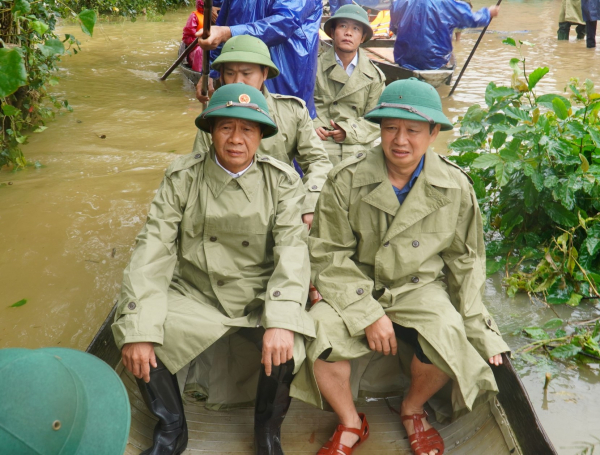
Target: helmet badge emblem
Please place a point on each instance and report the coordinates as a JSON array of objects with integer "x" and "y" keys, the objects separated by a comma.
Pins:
[{"x": 244, "y": 98}]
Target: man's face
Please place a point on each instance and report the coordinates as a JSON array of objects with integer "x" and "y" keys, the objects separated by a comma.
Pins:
[
  {"x": 236, "y": 142},
  {"x": 347, "y": 36},
  {"x": 404, "y": 142},
  {"x": 246, "y": 73}
]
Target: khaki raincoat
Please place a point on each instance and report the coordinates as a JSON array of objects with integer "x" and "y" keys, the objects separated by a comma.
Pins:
[
  {"x": 296, "y": 139},
  {"x": 345, "y": 100},
  {"x": 422, "y": 263},
  {"x": 570, "y": 11},
  {"x": 217, "y": 254}
]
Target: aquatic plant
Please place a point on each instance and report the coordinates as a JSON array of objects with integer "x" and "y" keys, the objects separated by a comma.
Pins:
[
  {"x": 535, "y": 164},
  {"x": 29, "y": 54}
]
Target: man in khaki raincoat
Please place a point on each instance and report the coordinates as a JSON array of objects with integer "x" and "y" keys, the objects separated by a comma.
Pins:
[
  {"x": 348, "y": 86},
  {"x": 397, "y": 251},
  {"x": 223, "y": 251},
  {"x": 247, "y": 59}
]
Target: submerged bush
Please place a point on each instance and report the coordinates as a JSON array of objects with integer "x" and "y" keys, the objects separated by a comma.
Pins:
[{"x": 535, "y": 163}]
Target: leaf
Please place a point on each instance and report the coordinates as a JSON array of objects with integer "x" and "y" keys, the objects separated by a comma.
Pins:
[
  {"x": 566, "y": 351},
  {"x": 493, "y": 266},
  {"x": 574, "y": 299},
  {"x": 21, "y": 7},
  {"x": 19, "y": 303},
  {"x": 39, "y": 27},
  {"x": 498, "y": 139},
  {"x": 518, "y": 114},
  {"x": 502, "y": 174},
  {"x": 464, "y": 145},
  {"x": 52, "y": 47},
  {"x": 88, "y": 19},
  {"x": 12, "y": 72},
  {"x": 9, "y": 110},
  {"x": 546, "y": 100},
  {"x": 514, "y": 63},
  {"x": 526, "y": 43},
  {"x": 561, "y": 110},
  {"x": 561, "y": 215},
  {"x": 553, "y": 323},
  {"x": 592, "y": 244},
  {"x": 536, "y": 333},
  {"x": 594, "y": 135},
  {"x": 478, "y": 186},
  {"x": 39, "y": 129},
  {"x": 510, "y": 42},
  {"x": 589, "y": 87},
  {"x": 535, "y": 77},
  {"x": 485, "y": 160}
]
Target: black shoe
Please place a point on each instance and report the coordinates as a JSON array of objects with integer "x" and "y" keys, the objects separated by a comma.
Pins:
[
  {"x": 163, "y": 399},
  {"x": 272, "y": 402}
]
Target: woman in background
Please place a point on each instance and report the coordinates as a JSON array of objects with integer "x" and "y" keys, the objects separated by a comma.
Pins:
[{"x": 194, "y": 24}]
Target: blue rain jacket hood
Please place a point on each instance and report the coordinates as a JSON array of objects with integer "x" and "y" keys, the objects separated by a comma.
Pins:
[
  {"x": 291, "y": 30},
  {"x": 424, "y": 30}
]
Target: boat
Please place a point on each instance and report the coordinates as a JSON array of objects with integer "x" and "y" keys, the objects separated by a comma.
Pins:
[
  {"x": 508, "y": 425},
  {"x": 186, "y": 70}
]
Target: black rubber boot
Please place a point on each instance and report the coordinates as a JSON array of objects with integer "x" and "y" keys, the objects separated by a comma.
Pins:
[
  {"x": 563, "y": 30},
  {"x": 580, "y": 30},
  {"x": 272, "y": 402},
  {"x": 163, "y": 399},
  {"x": 591, "y": 33}
]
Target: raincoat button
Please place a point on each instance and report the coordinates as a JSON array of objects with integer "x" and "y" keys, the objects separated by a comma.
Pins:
[
  {"x": 354, "y": 125},
  {"x": 386, "y": 244},
  {"x": 335, "y": 103},
  {"x": 415, "y": 279},
  {"x": 276, "y": 294},
  {"x": 415, "y": 243},
  {"x": 265, "y": 158},
  {"x": 360, "y": 291},
  {"x": 314, "y": 187},
  {"x": 197, "y": 156},
  {"x": 354, "y": 107},
  {"x": 213, "y": 239},
  {"x": 131, "y": 305},
  {"x": 245, "y": 243},
  {"x": 220, "y": 283},
  {"x": 489, "y": 322},
  {"x": 359, "y": 155}
]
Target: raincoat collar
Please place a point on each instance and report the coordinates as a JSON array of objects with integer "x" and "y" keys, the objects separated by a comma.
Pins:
[{"x": 217, "y": 178}]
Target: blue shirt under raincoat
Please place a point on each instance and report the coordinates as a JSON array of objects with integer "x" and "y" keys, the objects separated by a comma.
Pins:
[
  {"x": 291, "y": 30},
  {"x": 424, "y": 30}
]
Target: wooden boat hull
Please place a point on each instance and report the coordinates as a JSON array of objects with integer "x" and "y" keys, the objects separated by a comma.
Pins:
[
  {"x": 186, "y": 70},
  {"x": 508, "y": 425}
]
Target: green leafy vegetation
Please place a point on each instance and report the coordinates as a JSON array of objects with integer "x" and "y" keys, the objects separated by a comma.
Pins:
[
  {"x": 29, "y": 54},
  {"x": 535, "y": 163},
  {"x": 19, "y": 303}
]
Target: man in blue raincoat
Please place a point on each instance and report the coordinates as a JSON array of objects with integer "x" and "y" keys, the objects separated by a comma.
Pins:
[
  {"x": 591, "y": 15},
  {"x": 291, "y": 30},
  {"x": 424, "y": 29}
]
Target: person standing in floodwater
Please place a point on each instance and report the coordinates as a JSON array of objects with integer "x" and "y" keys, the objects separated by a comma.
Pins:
[{"x": 291, "y": 30}]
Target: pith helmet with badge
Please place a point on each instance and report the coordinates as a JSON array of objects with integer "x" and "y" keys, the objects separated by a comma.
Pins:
[
  {"x": 410, "y": 99},
  {"x": 246, "y": 49},
  {"x": 352, "y": 12},
  {"x": 239, "y": 101}
]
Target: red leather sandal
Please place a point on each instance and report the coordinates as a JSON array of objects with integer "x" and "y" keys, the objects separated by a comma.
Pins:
[
  {"x": 424, "y": 441},
  {"x": 335, "y": 447}
]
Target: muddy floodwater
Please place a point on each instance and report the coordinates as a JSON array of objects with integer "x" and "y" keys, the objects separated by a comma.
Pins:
[{"x": 67, "y": 229}]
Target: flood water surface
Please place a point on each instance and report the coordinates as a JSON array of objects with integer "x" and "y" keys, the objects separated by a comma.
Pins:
[{"x": 67, "y": 229}]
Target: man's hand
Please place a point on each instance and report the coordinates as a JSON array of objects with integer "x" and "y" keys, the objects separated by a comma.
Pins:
[
  {"x": 137, "y": 358},
  {"x": 338, "y": 134},
  {"x": 322, "y": 133},
  {"x": 496, "y": 360},
  {"x": 381, "y": 336},
  {"x": 211, "y": 89},
  {"x": 307, "y": 219},
  {"x": 218, "y": 34},
  {"x": 278, "y": 348},
  {"x": 494, "y": 11},
  {"x": 215, "y": 14}
]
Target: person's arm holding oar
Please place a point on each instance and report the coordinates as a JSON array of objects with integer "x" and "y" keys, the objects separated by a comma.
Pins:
[{"x": 493, "y": 13}]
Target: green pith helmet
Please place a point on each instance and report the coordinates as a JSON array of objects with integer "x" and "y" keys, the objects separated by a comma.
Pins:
[
  {"x": 354, "y": 12},
  {"x": 238, "y": 101},
  {"x": 410, "y": 99},
  {"x": 61, "y": 401},
  {"x": 246, "y": 49}
]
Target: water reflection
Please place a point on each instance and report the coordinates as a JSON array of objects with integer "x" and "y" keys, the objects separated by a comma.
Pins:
[{"x": 67, "y": 230}]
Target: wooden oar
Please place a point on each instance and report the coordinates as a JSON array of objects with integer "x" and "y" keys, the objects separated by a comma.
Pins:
[
  {"x": 471, "y": 55},
  {"x": 190, "y": 48},
  {"x": 183, "y": 55},
  {"x": 208, "y": 4}
]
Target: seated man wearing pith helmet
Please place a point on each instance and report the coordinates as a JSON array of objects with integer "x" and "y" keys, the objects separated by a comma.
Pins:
[
  {"x": 223, "y": 251},
  {"x": 397, "y": 252}
]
